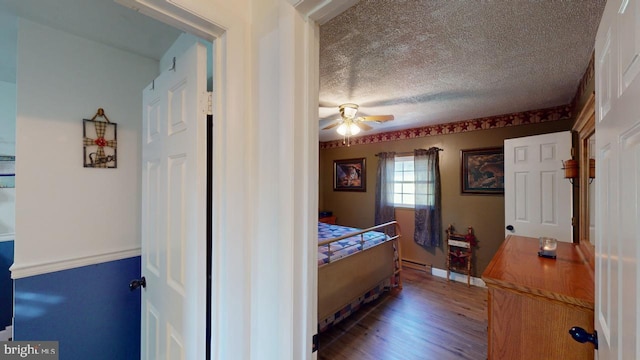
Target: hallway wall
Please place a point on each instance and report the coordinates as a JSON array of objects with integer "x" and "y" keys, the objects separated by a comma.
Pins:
[
  {"x": 67, "y": 213},
  {"x": 78, "y": 229}
]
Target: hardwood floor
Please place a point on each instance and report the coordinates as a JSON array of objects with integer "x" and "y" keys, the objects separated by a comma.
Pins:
[{"x": 428, "y": 319}]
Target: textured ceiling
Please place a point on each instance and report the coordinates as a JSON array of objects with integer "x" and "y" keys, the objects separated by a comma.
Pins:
[{"x": 434, "y": 62}]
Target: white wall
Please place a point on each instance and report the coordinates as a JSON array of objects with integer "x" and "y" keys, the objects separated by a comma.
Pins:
[
  {"x": 7, "y": 118},
  {"x": 266, "y": 79},
  {"x": 7, "y": 214},
  {"x": 68, "y": 215},
  {"x": 7, "y": 147},
  {"x": 265, "y": 173},
  {"x": 182, "y": 44},
  {"x": 8, "y": 41}
]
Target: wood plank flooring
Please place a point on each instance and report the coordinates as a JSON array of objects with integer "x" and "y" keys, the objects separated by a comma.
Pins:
[{"x": 428, "y": 319}]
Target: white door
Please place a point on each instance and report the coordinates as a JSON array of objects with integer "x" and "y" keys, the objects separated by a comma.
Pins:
[
  {"x": 617, "y": 65},
  {"x": 537, "y": 198},
  {"x": 174, "y": 211}
]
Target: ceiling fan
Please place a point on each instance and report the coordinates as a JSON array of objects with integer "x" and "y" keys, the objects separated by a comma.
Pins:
[{"x": 350, "y": 125}]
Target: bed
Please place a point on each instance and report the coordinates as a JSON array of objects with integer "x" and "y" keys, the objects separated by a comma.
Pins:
[{"x": 355, "y": 266}]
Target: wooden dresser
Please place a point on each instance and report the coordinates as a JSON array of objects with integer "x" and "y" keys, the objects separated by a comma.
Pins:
[{"x": 534, "y": 301}]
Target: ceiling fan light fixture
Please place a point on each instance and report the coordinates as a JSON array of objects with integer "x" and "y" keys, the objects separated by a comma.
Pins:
[
  {"x": 342, "y": 129},
  {"x": 349, "y": 110},
  {"x": 348, "y": 128},
  {"x": 349, "y": 125}
]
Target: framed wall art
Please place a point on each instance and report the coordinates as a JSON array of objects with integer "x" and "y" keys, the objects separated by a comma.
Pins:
[
  {"x": 482, "y": 171},
  {"x": 349, "y": 175},
  {"x": 100, "y": 142}
]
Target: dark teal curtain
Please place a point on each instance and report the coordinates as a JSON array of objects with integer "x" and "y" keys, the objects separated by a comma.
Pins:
[
  {"x": 385, "y": 210},
  {"x": 428, "y": 221}
]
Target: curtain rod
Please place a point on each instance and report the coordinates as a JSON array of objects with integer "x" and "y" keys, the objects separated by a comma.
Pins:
[{"x": 407, "y": 153}]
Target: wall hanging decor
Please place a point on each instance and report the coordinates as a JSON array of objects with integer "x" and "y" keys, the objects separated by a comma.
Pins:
[
  {"x": 100, "y": 142},
  {"x": 482, "y": 171},
  {"x": 349, "y": 175}
]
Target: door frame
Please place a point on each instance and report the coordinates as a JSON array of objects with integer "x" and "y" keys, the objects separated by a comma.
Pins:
[
  {"x": 585, "y": 128},
  {"x": 235, "y": 215}
]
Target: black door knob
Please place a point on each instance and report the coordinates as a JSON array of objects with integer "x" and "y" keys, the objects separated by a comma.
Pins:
[
  {"x": 582, "y": 336},
  {"x": 510, "y": 227},
  {"x": 136, "y": 283}
]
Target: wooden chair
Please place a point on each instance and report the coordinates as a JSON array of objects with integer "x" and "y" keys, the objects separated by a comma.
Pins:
[{"x": 459, "y": 252}]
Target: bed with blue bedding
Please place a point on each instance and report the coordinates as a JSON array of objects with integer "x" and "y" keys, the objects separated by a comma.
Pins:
[
  {"x": 344, "y": 247},
  {"x": 354, "y": 267}
]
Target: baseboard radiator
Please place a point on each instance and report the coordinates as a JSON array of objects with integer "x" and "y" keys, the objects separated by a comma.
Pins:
[
  {"x": 412, "y": 264},
  {"x": 429, "y": 269}
]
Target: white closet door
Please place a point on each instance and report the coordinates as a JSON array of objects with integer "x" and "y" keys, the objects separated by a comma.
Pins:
[{"x": 174, "y": 211}]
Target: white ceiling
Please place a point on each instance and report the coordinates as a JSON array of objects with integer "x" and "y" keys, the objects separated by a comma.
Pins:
[
  {"x": 434, "y": 62},
  {"x": 102, "y": 21}
]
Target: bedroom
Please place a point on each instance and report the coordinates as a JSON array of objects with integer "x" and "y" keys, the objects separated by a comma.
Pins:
[
  {"x": 359, "y": 85},
  {"x": 486, "y": 213}
]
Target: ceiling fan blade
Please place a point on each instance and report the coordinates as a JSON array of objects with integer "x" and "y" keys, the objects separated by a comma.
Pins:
[
  {"x": 363, "y": 126},
  {"x": 332, "y": 125},
  {"x": 376, "y": 118}
]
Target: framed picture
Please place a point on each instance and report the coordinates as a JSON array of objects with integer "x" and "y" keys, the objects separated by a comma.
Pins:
[
  {"x": 482, "y": 171},
  {"x": 349, "y": 175}
]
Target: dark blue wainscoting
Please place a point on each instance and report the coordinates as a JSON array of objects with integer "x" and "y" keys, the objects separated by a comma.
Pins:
[
  {"x": 6, "y": 284},
  {"x": 89, "y": 310}
]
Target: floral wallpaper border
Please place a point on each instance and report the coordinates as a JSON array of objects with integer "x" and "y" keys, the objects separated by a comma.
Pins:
[
  {"x": 492, "y": 122},
  {"x": 586, "y": 78}
]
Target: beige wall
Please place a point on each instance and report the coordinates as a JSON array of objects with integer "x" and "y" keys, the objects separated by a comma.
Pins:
[{"x": 484, "y": 212}]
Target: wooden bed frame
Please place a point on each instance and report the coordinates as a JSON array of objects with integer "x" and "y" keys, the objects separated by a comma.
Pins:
[{"x": 342, "y": 281}]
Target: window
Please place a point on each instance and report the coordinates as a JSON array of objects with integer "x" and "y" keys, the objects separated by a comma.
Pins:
[
  {"x": 404, "y": 193},
  {"x": 404, "y": 187}
]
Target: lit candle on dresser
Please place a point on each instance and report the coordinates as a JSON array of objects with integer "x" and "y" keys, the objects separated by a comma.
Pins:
[{"x": 548, "y": 247}]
